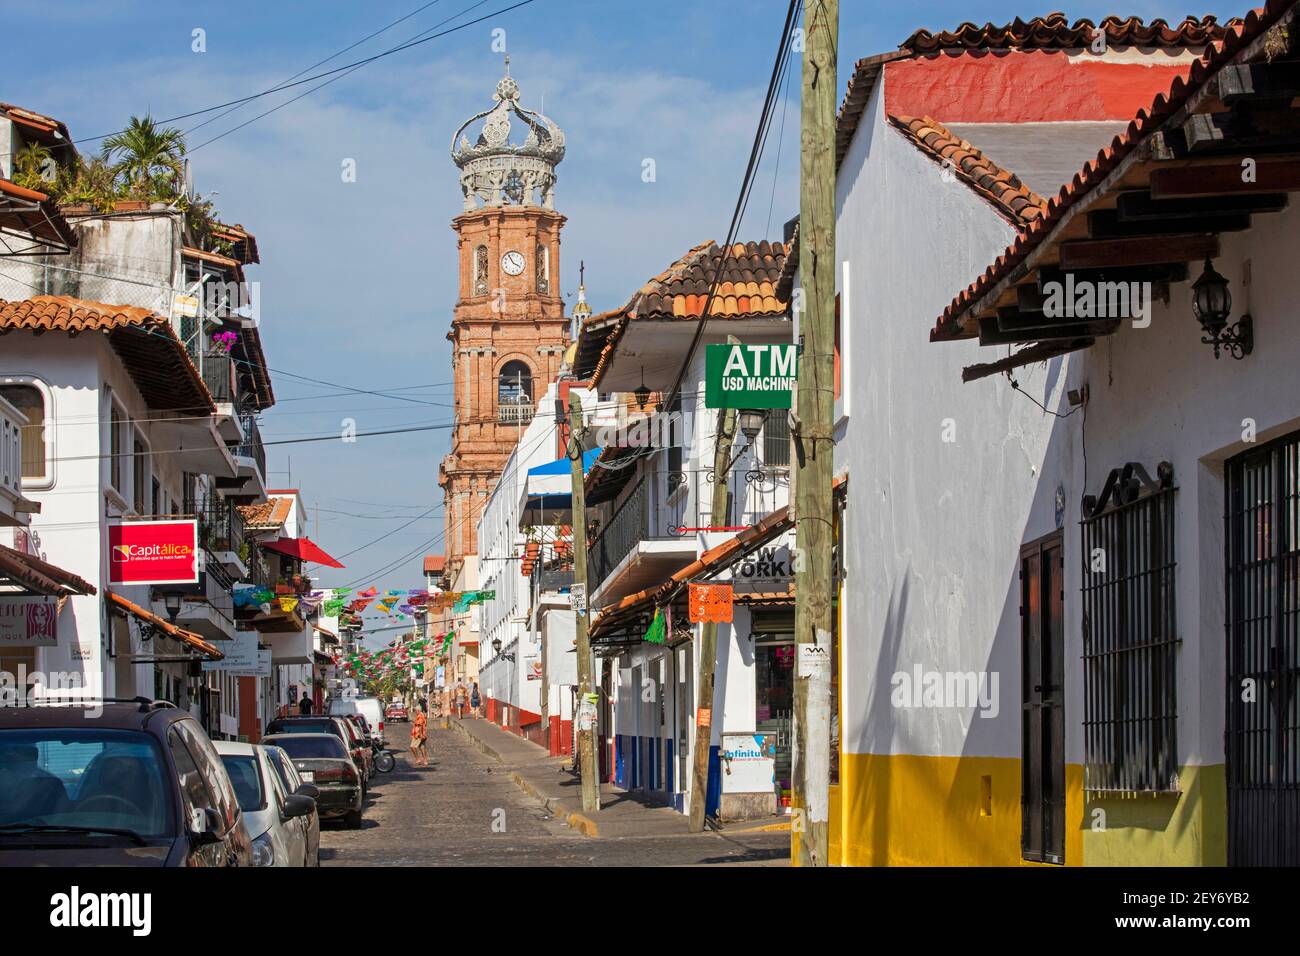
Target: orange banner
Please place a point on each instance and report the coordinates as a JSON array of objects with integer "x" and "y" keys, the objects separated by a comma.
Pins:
[{"x": 709, "y": 602}]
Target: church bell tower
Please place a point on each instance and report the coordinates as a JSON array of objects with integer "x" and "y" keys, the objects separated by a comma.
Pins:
[{"x": 508, "y": 331}]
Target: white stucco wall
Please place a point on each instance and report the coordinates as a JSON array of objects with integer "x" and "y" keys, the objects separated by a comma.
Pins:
[{"x": 932, "y": 527}]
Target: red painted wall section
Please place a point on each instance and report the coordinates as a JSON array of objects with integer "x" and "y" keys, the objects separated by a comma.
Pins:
[{"x": 1026, "y": 87}]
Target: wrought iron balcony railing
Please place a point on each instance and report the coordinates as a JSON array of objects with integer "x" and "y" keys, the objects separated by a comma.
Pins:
[{"x": 251, "y": 447}]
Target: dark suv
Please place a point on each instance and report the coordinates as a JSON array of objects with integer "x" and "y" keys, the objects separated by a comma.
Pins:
[
  {"x": 357, "y": 744},
  {"x": 128, "y": 783}
]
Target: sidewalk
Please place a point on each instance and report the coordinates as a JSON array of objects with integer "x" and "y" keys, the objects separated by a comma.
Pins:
[{"x": 534, "y": 771}]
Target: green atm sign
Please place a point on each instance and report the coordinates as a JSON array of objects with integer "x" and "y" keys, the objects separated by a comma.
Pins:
[{"x": 749, "y": 376}]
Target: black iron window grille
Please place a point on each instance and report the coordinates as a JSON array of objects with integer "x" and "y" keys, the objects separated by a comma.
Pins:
[{"x": 1130, "y": 635}]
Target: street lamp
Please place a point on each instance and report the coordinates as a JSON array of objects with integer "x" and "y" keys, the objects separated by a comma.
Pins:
[
  {"x": 641, "y": 392},
  {"x": 1212, "y": 304},
  {"x": 496, "y": 649},
  {"x": 172, "y": 602},
  {"x": 751, "y": 422}
]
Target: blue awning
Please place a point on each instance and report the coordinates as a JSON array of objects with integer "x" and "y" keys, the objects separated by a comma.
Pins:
[{"x": 548, "y": 488}]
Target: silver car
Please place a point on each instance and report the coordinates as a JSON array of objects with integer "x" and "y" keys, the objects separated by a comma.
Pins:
[{"x": 273, "y": 816}]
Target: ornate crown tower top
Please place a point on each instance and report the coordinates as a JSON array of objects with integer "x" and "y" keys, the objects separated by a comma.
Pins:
[{"x": 496, "y": 172}]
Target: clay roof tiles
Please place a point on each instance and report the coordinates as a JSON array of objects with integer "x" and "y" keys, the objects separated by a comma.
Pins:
[
  {"x": 1055, "y": 32},
  {"x": 1238, "y": 35},
  {"x": 747, "y": 275},
  {"x": 269, "y": 515},
  {"x": 145, "y": 341},
  {"x": 1003, "y": 189},
  {"x": 1051, "y": 32}
]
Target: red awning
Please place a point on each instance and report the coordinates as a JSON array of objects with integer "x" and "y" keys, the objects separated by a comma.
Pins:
[{"x": 304, "y": 549}]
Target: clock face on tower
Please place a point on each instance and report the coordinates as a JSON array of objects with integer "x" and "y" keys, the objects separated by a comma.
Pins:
[{"x": 512, "y": 263}]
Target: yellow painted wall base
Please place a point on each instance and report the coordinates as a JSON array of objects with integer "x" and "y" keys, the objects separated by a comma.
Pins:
[
  {"x": 908, "y": 810},
  {"x": 1184, "y": 829}
]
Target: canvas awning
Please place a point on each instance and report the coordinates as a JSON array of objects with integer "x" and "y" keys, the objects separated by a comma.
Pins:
[
  {"x": 304, "y": 549},
  {"x": 547, "y": 491}
]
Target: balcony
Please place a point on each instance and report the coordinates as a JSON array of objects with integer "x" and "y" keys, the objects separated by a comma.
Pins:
[
  {"x": 646, "y": 539},
  {"x": 553, "y": 579},
  {"x": 221, "y": 530},
  {"x": 250, "y": 460},
  {"x": 515, "y": 412},
  {"x": 209, "y": 609},
  {"x": 659, "y": 527}
]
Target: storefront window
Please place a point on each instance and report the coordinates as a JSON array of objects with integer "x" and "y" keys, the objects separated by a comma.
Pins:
[{"x": 774, "y": 656}]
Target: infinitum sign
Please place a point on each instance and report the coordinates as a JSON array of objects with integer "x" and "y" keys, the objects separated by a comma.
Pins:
[{"x": 749, "y": 376}]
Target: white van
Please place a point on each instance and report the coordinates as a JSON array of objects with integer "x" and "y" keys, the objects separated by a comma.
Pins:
[{"x": 368, "y": 707}]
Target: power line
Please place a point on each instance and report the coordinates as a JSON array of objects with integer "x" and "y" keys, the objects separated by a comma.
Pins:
[
  {"x": 755, "y": 156},
  {"x": 325, "y": 83},
  {"x": 310, "y": 79}
]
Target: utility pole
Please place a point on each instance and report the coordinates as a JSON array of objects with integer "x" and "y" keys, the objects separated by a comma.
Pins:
[
  {"x": 709, "y": 630},
  {"x": 586, "y": 732},
  {"x": 814, "y": 441}
]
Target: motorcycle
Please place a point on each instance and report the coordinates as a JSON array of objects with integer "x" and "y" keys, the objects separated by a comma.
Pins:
[{"x": 384, "y": 760}]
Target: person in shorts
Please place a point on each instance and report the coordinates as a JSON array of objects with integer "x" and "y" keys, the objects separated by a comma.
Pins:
[{"x": 420, "y": 738}]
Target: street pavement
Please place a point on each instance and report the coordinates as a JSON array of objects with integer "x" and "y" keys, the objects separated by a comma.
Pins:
[{"x": 463, "y": 810}]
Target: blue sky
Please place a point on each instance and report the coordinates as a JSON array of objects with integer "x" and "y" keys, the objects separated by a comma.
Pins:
[{"x": 358, "y": 279}]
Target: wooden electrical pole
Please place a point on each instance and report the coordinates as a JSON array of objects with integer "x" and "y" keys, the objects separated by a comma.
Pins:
[
  {"x": 814, "y": 442},
  {"x": 709, "y": 631},
  {"x": 586, "y": 732}
]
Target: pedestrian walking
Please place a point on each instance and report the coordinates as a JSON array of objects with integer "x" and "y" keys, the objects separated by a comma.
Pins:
[
  {"x": 475, "y": 701},
  {"x": 304, "y": 706},
  {"x": 420, "y": 738},
  {"x": 461, "y": 698}
]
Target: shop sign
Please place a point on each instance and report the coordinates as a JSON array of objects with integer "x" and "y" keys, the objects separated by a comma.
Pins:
[
  {"x": 749, "y": 376},
  {"x": 153, "y": 552},
  {"x": 241, "y": 655},
  {"x": 29, "y": 621},
  {"x": 748, "y": 763}
]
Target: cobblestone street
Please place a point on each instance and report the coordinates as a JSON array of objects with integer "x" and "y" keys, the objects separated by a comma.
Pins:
[{"x": 444, "y": 815}]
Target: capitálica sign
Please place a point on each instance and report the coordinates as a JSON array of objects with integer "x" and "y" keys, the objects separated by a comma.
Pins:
[
  {"x": 153, "y": 552},
  {"x": 749, "y": 376}
]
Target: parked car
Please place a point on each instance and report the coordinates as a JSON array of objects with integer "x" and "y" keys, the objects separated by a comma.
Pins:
[
  {"x": 322, "y": 760},
  {"x": 370, "y": 708},
  {"x": 272, "y": 816},
  {"x": 357, "y": 745},
  {"x": 396, "y": 712},
  {"x": 136, "y": 783},
  {"x": 292, "y": 782}
]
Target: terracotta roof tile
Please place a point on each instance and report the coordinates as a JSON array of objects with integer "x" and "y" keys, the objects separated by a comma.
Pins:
[
  {"x": 27, "y": 211},
  {"x": 1056, "y": 32},
  {"x": 40, "y": 576},
  {"x": 1003, "y": 189},
  {"x": 269, "y": 515},
  {"x": 145, "y": 341},
  {"x": 747, "y": 275},
  {"x": 1053, "y": 31},
  {"x": 434, "y": 563},
  {"x": 1239, "y": 34}
]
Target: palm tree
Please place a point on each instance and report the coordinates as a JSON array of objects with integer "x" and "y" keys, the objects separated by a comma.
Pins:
[
  {"x": 93, "y": 183},
  {"x": 148, "y": 158},
  {"x": 32, "y": 168}
]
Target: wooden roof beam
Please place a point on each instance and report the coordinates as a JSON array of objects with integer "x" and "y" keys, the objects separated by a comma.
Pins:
[
  {"x": 1140, "y": 251},
  {"x": 1226, "y": 179}
]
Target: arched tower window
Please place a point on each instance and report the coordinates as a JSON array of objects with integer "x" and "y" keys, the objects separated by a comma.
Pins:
[
  {"x": 543, "y": 270},
  {"x": 480, "y": 270},
  {"x": 515, "y": 392}
]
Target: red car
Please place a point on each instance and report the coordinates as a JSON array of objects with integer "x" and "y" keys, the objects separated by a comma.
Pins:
[{"x": 396, "y": 712}]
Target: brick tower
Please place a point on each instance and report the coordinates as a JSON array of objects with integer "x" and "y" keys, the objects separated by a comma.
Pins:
[{"x": 508, "y": 333}]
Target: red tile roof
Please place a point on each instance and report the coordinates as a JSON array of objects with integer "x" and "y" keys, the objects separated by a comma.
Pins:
[
  {"x": 1055, "y": 32},
  {"x": 434, "y": 563},
  {"x": 145, "y": 341},
  {"x": 28, "y": 211},
  {"x": 1239, "y": 35},
  {"x": 747, "y": 288},
  {"x": 1017, "y": 202},
  {"x": 1050, "y": 32},
  {"x": 44, "y": 129},
  {"x": 268, "y": 515},
  {"x": 33, "y": 574}
]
